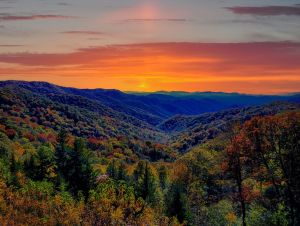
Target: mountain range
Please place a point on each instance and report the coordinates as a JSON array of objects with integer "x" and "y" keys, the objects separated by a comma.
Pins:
[{"x": 158, "y": 116}]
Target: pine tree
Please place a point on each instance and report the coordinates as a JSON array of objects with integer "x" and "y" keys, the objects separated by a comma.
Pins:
[
  {"x": 112, "y": 170},
  {"x": 163, "y": 177},
  {"x": 146, "y": 184}
]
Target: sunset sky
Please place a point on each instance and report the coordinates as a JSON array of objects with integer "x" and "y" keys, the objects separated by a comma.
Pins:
[{"x": 150, "y": 45}]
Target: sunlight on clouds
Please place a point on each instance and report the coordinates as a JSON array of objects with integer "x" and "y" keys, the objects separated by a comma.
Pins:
[{"x": 161, "y": 66}]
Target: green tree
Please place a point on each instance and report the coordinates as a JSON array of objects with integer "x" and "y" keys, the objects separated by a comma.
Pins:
[
  {"x": 79, "y": 173},
  {"x": 146, "y": 184},
  {"x": 41, "y": 165},
  {"x": 163, "y": 177}
]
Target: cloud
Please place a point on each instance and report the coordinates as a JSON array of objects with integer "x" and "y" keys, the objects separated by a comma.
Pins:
[
  {"x": 166, "y": 66},
  {"x": 64, "y": 4},
  {"x": 11, "y": 46},
  {"x": 268, "y": 53},
  {"x": 267, "y": 10},
  {"x": 9, "y": 17},
  {"x": 9, "y": 1},
  {"x": 147, "y": 11},
  {"x": 84, "y": 32},
  {"x": 156, "y": 20},
  {"x": 6, "y": 7}
]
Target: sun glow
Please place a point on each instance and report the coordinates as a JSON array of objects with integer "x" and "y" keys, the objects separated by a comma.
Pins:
[
  {"x": 143, "y": 86},
  {"x": 148, "y": 10}
]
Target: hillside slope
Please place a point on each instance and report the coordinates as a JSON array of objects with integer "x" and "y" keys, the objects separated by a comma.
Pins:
[
  {"x": 188, "y": 131},
  {"x": 159, "y": 117},
  {"x": 47, "y": 105},
  {"x": 152, "y": 108}
]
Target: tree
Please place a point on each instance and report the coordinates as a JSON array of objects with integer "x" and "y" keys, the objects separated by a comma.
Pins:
[
  {"x": 75, "y": 165},
  {"x": 61, "y": 155},
  {"x": 122, "y": 174},
  {"x": 146, "y": 184},
  {"x": 112, "y": 169},
  {"x": 177, "y": 198},
  {"x": 41, "y": 165},
  {"x": 163, "y": 177},
  {"x": 275, "y": 143},
  {"x": 237, "y": 158},
  {"x": 79, "y": 173},
  {"x": 178, "y": 203},
  {"x": 268, "y": 150}
]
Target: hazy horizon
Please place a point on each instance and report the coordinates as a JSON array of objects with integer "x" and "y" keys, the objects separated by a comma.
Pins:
[{"x": 156, "y": 91}]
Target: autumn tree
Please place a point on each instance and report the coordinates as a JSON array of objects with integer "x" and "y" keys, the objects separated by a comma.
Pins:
[
  {"x": 268, "y": 149},
  {"x": 275, "y": 144},
  {"x": 237, "y": 154}
]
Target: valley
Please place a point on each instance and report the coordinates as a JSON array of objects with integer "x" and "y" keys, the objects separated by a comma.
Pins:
[{"x": 105, "y": 157}]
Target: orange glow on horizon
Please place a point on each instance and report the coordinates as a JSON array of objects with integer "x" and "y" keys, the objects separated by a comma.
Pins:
[{"x": 169, "y": 66}]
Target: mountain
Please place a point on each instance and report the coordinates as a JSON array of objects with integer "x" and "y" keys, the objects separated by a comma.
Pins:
[
  {"x": 189, "y": 131},
  {"x": 183, "y": 119},
  {"x": 52, "y": 106},
  {"x": 152, "y": 108}
]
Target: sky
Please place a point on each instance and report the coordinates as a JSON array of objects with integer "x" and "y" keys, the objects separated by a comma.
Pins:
[{"x": 152, "y": 45}]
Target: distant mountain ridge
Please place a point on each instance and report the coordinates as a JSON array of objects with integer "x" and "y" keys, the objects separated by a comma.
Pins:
[{"x": 154, "y": 108}]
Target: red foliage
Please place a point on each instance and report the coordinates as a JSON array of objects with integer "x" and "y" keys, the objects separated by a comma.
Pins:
[
  {"x": 2, "y": 128},
  {"x": 51, "y": 138},
  {"x": 42, "y": 138},
  {"x": 95, "y": 143},
  {"x": 11, "y": 133},
  {"x": 29, "y": 136},
  {"x": 224, "y": 166},
  {"x": 249, "y": 194}
]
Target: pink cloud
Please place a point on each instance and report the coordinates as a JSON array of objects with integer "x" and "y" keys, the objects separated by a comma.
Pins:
[
  {"x": 272, "y": 54},
  {"x": 156, "y": 20},
  {"x": 32, "y": 17},
  {"x": 267, "y": 10},
  {"x": 84, "y": 32},
  {"x": 10, "y": 45}
]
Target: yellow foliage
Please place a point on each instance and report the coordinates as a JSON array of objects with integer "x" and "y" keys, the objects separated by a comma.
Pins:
[
  {"x": 231, "y": 218},
  {"x": 18, "y": 150},
  {"x": 117, "y": 215}
]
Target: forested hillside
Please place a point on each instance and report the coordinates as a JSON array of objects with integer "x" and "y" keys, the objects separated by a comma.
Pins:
[
  {"x": 188, "y": 131},
  {"x": 152, "y": 108},
  {"x": 103, "y": 157}
]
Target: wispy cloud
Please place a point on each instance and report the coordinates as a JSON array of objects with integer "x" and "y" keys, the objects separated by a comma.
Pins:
[
  {"x": 11, "y": 45},
  {"x": 9, "y": 17},
  {"x": 267, "y": 10},
  {"x": 156, "y": 20},
  {"x": 84, "y": 32},
  {"x": 6, "y": 7},
  {"x": 64, "y": 4},
  {"x": 278, "y": 54}
]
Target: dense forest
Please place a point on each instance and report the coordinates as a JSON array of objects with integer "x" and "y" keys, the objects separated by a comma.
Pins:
[{"x": 96, "y": 157}]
